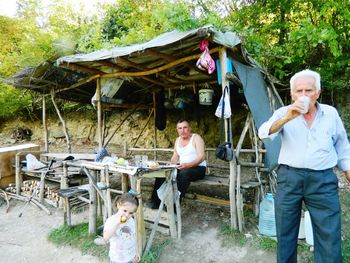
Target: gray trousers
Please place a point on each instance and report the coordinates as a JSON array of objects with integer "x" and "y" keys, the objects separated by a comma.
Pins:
[{"x": 319, "y": 191}]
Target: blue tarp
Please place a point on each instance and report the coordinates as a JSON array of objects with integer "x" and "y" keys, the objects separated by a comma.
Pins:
[{"x": 255, "y": 92}]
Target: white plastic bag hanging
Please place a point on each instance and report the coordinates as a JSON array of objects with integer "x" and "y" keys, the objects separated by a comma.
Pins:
[{"x": 224, "y": 107}]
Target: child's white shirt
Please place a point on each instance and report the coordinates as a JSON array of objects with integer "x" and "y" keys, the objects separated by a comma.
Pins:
[{"x": 122, "y": 246}]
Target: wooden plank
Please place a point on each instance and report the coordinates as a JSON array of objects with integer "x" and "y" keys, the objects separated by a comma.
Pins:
[{"x": 77, "y": 156}]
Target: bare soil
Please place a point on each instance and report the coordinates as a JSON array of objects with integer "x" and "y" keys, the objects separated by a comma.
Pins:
[{"x": 25, "y": 239}]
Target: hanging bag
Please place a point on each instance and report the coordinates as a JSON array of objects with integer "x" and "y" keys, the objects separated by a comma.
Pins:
[
  {"x": 224, "y": 150},
  {"x": 223, "y": 109}
]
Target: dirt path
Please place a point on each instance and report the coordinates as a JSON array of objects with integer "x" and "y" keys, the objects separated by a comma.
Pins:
[{"x": 25, "y": 239}]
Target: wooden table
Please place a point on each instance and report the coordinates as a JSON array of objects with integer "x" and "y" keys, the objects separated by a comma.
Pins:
[{"x": 135, "y": 176}]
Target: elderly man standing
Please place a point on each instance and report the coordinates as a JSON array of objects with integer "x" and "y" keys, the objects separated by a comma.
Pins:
[
  {"x": 189, "y": 157},
  {"x": 313, "y": 142}
]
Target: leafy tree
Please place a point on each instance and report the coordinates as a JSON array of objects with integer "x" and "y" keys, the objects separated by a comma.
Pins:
[{"x": 287, "y": 36}]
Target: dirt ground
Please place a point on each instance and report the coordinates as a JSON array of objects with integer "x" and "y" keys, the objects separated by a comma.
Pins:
[{"x": 25, "y": 239}]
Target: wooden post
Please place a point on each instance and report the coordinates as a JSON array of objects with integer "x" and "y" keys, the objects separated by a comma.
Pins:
[
  {"x": 125, "y": 180},
  {"x": 141, "y": 231},
  {"x": 19, "y": 178},
  {"x": 42, "y": 187},
  {"x": 155, "y": 127},
  {"x": 239, "y": 200},
  {"x": 65, "y": 201},
  {"x": 170, "y": 209},
  {"x": 108, "y": 193},
  {"x": 65, "y": 130},
  {"x": 46, "y": 134},
  {"x": 93, "y": 204},
  {"x": 99, "y": 112},
  {"x": 233, "y": 165}
]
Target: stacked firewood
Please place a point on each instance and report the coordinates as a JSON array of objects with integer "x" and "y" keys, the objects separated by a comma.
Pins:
[{"x": 50, "y": 193}]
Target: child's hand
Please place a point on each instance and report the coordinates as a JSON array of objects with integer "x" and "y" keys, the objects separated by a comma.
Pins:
[{"x": 121, "y": 218}]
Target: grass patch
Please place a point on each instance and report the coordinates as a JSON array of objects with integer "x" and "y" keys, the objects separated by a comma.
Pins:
[
  {"x": 232, "y": 236},
  {"x": 345, "y": 206},
  {"x": 77, "y": 236},
  {"x": 153, "y": 255}
]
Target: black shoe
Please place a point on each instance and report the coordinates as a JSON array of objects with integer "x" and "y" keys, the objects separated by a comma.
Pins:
[{"x": 152, "y": 205}]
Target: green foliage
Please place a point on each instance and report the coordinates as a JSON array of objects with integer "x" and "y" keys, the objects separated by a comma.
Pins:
[
  {"x": 12, "y": 102},
  {"x": 345, "y": 206},
  {"x": 11, "y": 33},
  {"x": 127, "y": 22},
  {"x": 287, "y": 36},
  {"x": 284, "y": 36},
  {"x": 154, "y": 253},
  {"x": 232, "y": 236}
]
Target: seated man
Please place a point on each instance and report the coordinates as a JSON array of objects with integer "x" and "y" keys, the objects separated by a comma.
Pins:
[{"x": 189, "y": 158}]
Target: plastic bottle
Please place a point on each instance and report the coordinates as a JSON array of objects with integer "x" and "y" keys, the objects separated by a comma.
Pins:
[
  {"x": 267, "y": 222},
  {"x": 309, "y": 236}
]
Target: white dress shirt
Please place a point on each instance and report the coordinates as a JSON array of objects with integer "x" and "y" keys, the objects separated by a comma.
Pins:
[{"x": 320, "y": 147}]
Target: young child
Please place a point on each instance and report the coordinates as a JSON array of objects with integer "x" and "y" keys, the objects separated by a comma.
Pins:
[{"x": 120, "y": 230}]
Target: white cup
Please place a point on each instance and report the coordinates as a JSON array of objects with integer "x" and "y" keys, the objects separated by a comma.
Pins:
[
  {"x": 306, "y": 101},
  {"x": 144, "y": 160},
  {"x": 138, "y": 160}
]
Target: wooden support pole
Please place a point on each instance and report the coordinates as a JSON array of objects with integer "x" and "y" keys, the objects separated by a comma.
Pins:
[
  {"x": 42, "y": 187},
  {"x": 233, "y": 164},
  {"x": 99, "y": 112},
  {"x": 141, "y": 230},
  {"x": 258, "y": 155},
  {"x": 65, "y": 130},
  {"x": 93, "y": 204},
  {"x": 155, "y": 127},
  {"x": 19, "y": 178},
  {"x": 108, "y": 193},
  {"x": 170, "y": 210},
  {"x": 239, "y": 200},
  {"x": 46, "y": 134},
  {"x": 66, "y": 206}
]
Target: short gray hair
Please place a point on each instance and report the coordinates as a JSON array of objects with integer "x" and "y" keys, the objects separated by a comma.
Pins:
[{"x": 306, "y": 73}]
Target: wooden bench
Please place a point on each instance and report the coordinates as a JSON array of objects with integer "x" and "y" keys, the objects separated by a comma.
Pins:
[{"x": 252, "y": 186}]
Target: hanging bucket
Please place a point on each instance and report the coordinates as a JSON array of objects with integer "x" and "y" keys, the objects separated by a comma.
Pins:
[{"x": 206, "y": 96}]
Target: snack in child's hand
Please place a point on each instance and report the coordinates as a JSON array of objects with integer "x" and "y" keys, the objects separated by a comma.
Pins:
[
  {"x": 153, "y": 164},
  {"x": 123, "y": 219}
]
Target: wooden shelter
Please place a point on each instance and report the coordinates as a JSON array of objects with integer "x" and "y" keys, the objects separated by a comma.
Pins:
[{"x": 131, "y": 76}]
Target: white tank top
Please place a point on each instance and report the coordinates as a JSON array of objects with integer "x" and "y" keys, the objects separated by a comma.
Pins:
[{"x": 188, "y": 153}]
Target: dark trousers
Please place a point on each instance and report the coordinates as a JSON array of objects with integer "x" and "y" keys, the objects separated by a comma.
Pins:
[
  {"x": 319, "y": 191},
  {"x": 184, "y": 178}
]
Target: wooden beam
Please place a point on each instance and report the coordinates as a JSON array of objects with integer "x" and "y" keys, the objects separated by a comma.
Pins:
[
  {"x": 119, "y": 68},
  {"x": 140, "y": 67},
  {"x": 109, "y": 106},
  {"x": 76, "y": 67},
  {"x": 159, "y": 69},
  {"x": 169, "y": 58}
]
